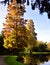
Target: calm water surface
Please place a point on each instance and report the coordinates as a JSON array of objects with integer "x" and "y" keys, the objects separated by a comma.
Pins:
[
  {"x": 45, "y": 63},
  {"x": 40, "y": 60}
]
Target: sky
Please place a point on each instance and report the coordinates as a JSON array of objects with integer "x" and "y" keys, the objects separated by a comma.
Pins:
[{"x": 41, "y": 22}]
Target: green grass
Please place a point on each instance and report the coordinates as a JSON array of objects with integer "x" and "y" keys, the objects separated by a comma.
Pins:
[
  {"x": 35, "y": 53},
  {"x": 11, "y": 60},
  {"x": 40, "y": 52}
]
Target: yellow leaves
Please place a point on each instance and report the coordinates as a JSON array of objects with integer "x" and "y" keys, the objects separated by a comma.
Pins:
[
  {"x": 13, "y": 11},
  {"x": 16, "y": 11},
  {"x": 48, "y": 46},
  {"x": 8, "y": 20},
  {"x": 18, "y": 18},
  {"x": 27, "y": 59},
  {"x": 17, "y": 36},
  {"x": 6, "y": 33},
  {"x": 9, "y": 45},
  {"x": 13, "y": 32},
  {"x": 10, "y": 26},
  {"x": 30, "y": 25},
  {"x": 9, "y": 42},
  {"x": 20, "y": 33},
  {"x": 13, "y": 41},
  {"x": 13, "y": 7},
  {"x": 6, "y": 43}
]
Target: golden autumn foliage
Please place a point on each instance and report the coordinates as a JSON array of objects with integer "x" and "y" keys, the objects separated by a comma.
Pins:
[
  {"x": 48, "y": 45},
  {"x": 18, "y": 34},
  {"x": 14, "y": 29},
  {"x": 31, "y": 33}
]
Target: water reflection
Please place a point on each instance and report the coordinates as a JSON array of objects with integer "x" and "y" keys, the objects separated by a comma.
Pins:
[
  {"x": 38, "y": 60},
  {"x": 45, "y": 63}
]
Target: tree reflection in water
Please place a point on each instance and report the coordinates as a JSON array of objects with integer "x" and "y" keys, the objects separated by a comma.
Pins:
[
  {"x": 38, "y": 59},
  {"x": 45, "y": 63}
]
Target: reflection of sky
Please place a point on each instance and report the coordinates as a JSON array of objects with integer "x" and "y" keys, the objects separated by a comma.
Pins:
[
  {"x": 42, "y": 23},
  {"x": 45, "y": 63}
]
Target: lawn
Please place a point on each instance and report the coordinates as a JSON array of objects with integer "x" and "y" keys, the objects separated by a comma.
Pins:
[{"x": 11, "y": 60}]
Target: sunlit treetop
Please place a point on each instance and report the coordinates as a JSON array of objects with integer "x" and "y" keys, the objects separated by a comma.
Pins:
[{"x": 42, "y": 5}]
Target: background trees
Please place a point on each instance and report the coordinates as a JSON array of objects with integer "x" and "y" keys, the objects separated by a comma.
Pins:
[
  {"x": 41, "y": 47},
  {"x": 32, "y": 39}
]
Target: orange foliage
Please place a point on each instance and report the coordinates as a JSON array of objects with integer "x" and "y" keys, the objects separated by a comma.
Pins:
[{"x": 6, "y": 33}]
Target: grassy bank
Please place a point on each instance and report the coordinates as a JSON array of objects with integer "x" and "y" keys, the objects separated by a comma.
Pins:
[
  {"x": 40, "y": 52},
  {"x": 35, "y": 53},
  {"x": 11, "y": 60}
]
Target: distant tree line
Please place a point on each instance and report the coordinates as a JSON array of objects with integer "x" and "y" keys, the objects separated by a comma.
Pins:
[{"x": 41, "y": 48}]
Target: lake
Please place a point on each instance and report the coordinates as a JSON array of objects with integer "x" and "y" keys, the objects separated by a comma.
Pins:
[
  {"x": 40, "y": 59},
  {"x": 45, "y": 63}
]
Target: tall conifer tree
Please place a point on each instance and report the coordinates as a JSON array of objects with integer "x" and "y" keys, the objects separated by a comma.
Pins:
[{"x": 14, "y": 28}]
